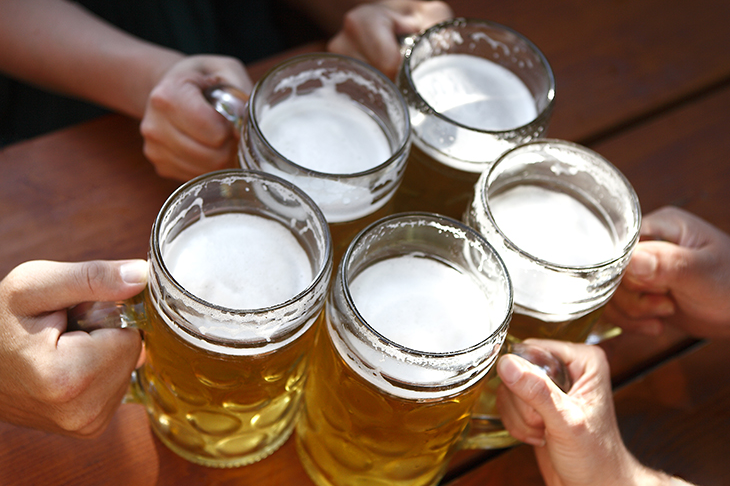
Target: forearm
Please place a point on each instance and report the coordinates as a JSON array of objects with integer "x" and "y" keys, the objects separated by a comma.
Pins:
[{"x": 59, "y": 46}]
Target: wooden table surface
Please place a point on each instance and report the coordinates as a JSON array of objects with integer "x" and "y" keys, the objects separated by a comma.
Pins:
[{"x": 646, "y": 83}]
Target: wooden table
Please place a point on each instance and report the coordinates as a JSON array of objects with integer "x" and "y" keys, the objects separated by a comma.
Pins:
[{"x": 645, "y": 83}]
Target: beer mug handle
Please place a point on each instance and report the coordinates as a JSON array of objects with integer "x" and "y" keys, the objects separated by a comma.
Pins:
[
  {"x": 89, "y": 316},
  {"x": 545, "y": 360},
  {"x": 230, "y": 102},
  {"x": 486, "y": 430}
]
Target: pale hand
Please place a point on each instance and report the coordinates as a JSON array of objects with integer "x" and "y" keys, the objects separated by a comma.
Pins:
[
  {"x": 184, "y": 136},
  {"x": 371, "y": 32},
  {"x": 65, "y": 382},
  {"x": 679, "y": 275}
]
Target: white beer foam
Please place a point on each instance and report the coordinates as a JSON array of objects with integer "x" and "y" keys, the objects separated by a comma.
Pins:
[
  {"x": 552, "y": 226},
  {"x": 325, "y": 131},
  {"x": 423, "y": 304},
  {"x": 475, "y": 92},
  {"x": 239, "y": 261}
]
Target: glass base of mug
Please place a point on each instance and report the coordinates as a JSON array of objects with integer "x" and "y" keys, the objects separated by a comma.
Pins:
[
  {"x": 320, "y": 479},
  {"x": 136, "y": 395},
  {"x": 228, "y": 462}
]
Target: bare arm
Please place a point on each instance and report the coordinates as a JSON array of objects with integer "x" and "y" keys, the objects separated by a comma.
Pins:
[{"x": 59, "y": 46}]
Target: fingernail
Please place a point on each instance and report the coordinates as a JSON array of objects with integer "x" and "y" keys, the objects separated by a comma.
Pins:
[
  {"x": 509, "y": 370},
  {"x": 134, "y": 272},
  {"x": 642, "y": 265}
]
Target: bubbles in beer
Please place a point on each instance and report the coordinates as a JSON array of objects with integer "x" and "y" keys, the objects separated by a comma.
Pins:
[{"x": 238, "y": 261}]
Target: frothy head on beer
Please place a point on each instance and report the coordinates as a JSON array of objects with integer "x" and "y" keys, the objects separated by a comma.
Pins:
[
  {"x": 239, "y": 261},
  {"x": 564, "y": 220},
  {"x": 420, "y": 299},
  {"x": 333, "y": 126},
  {"x": 474, "y": 89}
]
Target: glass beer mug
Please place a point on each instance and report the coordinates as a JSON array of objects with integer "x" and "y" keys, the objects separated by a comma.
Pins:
[
  {"x": 565, "y": 221},
  {"x": 335, "y": 127},
  {"x": 474, "y": 89},
  {"x": 415, "y": 318},
  {"x": 240, "y": 264}
]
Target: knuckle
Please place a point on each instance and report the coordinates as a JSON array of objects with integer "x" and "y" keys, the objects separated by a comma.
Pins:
[
  {"x": 91, "y": 273},
  {"x": 158, "y": 97}
]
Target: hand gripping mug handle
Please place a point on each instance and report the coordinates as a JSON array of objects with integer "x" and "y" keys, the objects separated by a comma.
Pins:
[
  {"x": 486, "y": 430},
  {"x": 90, "y": 316},
  {"x": 229, "y": 101}
]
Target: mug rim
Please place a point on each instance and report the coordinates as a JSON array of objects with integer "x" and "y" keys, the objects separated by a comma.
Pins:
[
  {"x": 403, "y": 143},
  {"x": 542, "y": 116},
  {"x": 322, "y": 268},
  {"x": 576, "y": 148},
  {"x": 342, "y": 276}
]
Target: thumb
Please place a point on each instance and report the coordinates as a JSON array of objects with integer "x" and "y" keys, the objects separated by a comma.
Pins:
[
  {"x": 532, "y": 385},
  {"x": 45, "y": 286},
  {"x": 658, "y": 265}
]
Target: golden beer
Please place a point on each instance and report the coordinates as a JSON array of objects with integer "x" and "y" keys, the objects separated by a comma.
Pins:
[
  {"x": 416, "y": 317},
  {"x": 429, "y": 185},
  {"x": 216, "y": 409},
  {"x": 352, "y": 433},
  {"x": 240, "y": 264}
]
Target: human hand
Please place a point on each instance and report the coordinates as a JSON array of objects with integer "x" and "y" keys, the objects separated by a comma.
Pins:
[
  {"x": 183, "y": 134},
  {"x": 576, "y": 435},
  {"x": 65, "y": 382},
  {"x": 679, "y": 275},
  {"x": 370, "y": 31}
]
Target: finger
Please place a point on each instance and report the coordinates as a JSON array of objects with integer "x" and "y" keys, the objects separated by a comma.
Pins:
[
  {"x": 95, "y": 368},
  {"x": 196, "y": 135},
  {"x": 658, "y": 265},
  {"x": 532, "y": 385},
  {"x": 190, "y": 113},
  {"x": 642, "y": 305},
  {"x": 177, "y": 157},
  {"x": 343, "y": 44},
  {"x": 520, "y": 377},
  {"x": 371, "y": 33},
  {"x": 520, "y": 420},
  {"x": 675, "y": 225},
  {"x": 663, "y": 224},
  {"x": 39, "y": 287},
  {"x": 650, "y": 326}
]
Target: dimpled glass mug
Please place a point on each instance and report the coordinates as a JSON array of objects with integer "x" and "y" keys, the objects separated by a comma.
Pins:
[
  {"x": 415, "y": 318},
  {"x": 474, "y": 89},
  {"x": 565, "y": 221},
  {"x": 335, "y": 127},
  {"x": 240, "y": 264}
]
